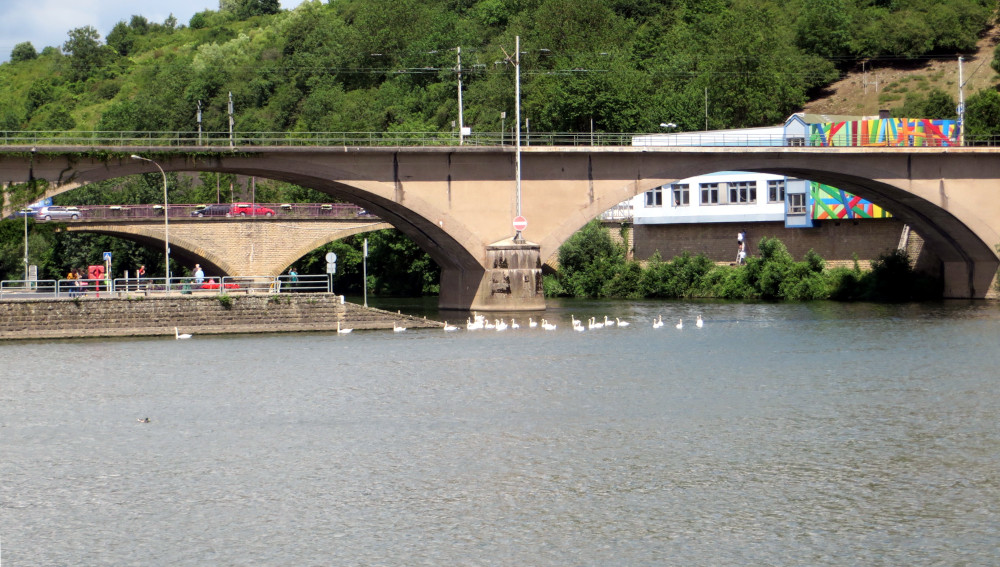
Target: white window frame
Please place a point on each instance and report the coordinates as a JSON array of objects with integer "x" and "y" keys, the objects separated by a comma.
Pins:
[
  {"x": 742, "y": 192},
  {"x": 709, "y": 193},
  {"x": 681, "y": 194},
  {"x": 775, "y": 190},
  {"x": 796, "y": 203},
  {"x": 654, "y": 198}
]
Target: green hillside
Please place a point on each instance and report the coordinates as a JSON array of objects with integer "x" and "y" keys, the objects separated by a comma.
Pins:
[{"x": 348, "y": 65}]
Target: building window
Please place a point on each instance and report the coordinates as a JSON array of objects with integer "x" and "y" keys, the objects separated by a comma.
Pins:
[
  {"x": 796, "y": 141},
  {"x": 681, "y": 193},
  {"x": 709, "y": 193},
  {"x": 654, "y": 197},
  {"x": 776, "y": 191},
  {"x": 743, "y": 192},
  {"x": 796, "y": 203}
]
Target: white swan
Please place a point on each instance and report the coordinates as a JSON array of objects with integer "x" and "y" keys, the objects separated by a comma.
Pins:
[
  {"x": 179, "y": 336},
  {"x": 607, "y": 323},
  {"x": 593, "y": 324},
  {"x": 514, "y": 325},
  {"x": 680, "y": 324},
  {"x": 548, "y": 326},
  {"x": 500, "y": 325},
  {"x": 699, "y": 323},
  {"x": 397, "y": 329},
  {"x": 531, "y": 323},
  {"x": 657, "y": 323},
  {"x": 449, "y": 328},
  {"x": 621, "y": 323},
  {"x": 342, "y": 331}
]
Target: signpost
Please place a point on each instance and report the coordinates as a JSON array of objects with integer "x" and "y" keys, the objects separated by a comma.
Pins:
[
  {"x": 331, "y": 268},
  {"x": 520, "y": 223}
]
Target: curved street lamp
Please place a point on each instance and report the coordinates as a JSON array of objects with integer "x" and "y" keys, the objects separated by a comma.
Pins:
[{"x": 166, "y": 216}]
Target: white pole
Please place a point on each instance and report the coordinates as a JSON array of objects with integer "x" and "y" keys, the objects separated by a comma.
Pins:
[
  {"x": 460, "y": 123},
  {"x": 961, "y": 104},
  {"x": 199, "y": 122},
  {"x": 517, "y": 137},
  {"x": 364, "y": 268},
  {"x": 231, "y": 143}
]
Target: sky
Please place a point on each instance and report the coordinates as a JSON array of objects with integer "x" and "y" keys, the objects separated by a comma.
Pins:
[{"x": 47, "y": 22}]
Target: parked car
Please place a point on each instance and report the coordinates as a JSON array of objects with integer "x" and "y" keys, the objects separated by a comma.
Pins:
[
  {"x": 59, "y": 212},
  {"x": 247, "y": 209},
  {"x": 214, "y": 210}
]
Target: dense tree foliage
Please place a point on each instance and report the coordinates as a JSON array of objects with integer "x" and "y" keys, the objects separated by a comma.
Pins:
[{"x": 596, "y": 267}]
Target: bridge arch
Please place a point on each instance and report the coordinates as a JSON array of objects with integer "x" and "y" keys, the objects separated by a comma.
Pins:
[{"x": 457, "y": 203}]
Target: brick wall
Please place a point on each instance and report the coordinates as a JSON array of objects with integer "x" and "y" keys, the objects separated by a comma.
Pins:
[
  {"x": 836, "y": 242},
  {"x": 91, "y": 317}
]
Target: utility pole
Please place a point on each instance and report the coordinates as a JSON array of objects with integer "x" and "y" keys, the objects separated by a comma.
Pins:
[
  {"x": 961, "y": 104},
  {"x": 231, "y": 143},
  {"x": 199, "y": 122},
  {"x": 461, "y": 129},
  {"x": 517, "y": 107}
]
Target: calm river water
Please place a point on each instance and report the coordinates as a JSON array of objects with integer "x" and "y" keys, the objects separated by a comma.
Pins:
[{"x": 798, "y": 434}]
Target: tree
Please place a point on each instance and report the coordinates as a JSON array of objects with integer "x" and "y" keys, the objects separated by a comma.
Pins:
[
  {"x": 982, "y": 116},
  {"x": 86, "y": 52},
  {"x": 23, "y": 52}
]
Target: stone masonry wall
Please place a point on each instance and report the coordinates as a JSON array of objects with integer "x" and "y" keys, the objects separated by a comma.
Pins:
[
  {"x": 151, "y": 316},
  {"x": 836, "y": 242}
]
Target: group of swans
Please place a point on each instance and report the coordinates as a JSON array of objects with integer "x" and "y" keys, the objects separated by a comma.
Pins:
[
  {"x": 478, "y": 322},
  {"x": 658, "y": 322},
  {"x": 594, "y": 324}
]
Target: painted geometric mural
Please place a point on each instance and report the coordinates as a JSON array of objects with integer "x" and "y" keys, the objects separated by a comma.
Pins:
[
  {"x": 885, "y": 132},
  {"x": 832, "y": 203}
]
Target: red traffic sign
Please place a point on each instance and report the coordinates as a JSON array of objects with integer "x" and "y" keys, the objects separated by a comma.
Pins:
[{"x": 520, "y": 223}]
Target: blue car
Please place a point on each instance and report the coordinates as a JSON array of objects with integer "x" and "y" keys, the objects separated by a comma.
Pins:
[{"x": 31, "y": 213}]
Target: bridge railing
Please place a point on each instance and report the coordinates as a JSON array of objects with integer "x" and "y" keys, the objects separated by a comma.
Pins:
[
  {"x": 179, "y": 211},
  {"x": 189, "y": 139}
]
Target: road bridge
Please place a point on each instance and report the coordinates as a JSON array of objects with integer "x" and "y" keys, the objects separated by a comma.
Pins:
[
  {"x": 234, "y": 246},
  {"x": 457, "y": 203}
]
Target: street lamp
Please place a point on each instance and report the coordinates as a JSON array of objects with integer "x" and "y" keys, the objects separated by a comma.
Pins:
[{"x": 166, "y": 216}]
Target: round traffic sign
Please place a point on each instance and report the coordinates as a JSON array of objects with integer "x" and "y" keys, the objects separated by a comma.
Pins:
[{"x": 520, "y": 223}]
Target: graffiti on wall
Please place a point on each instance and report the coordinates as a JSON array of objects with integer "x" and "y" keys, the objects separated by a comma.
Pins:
[
  {"x": 885, "y": 132},
  {"x": 832, "y": 203}
]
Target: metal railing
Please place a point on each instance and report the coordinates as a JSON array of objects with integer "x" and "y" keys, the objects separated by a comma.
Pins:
[
  {"x": 181, "y": 211},
  {"x": 48, "y": 138},
  {"x": 123, "y": 287}
]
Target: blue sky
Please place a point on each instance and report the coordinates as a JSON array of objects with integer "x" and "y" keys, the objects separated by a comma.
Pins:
[{"x": 47, "y": 22}]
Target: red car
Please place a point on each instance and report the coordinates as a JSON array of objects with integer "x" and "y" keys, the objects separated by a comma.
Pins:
[{"x": 247, "y": 209}]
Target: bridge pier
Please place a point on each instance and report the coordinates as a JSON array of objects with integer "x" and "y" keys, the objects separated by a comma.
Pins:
[
  {"x": 968, "y": 280},
  {"x": 511, "y": 281}
]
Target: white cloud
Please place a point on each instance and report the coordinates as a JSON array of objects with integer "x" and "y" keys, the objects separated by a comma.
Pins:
[{"x": 47, "y": 22}]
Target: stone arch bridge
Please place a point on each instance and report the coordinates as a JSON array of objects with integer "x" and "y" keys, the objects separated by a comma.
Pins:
[
  {"x": 234, "y": 246},
  {"x": 457, "y": 203}
]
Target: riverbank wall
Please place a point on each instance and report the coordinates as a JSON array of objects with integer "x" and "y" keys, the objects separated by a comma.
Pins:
[{"x": 207, "y": 315}]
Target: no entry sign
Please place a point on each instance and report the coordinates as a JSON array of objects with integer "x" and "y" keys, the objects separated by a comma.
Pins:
[{"x": 520, "y": 223}]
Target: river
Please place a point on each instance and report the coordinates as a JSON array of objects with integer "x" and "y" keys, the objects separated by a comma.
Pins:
[{"x": 778, "y": 434}]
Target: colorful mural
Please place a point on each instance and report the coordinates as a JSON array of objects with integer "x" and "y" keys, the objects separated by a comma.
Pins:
[
  {"x": 832, "y": 203},
  {"x": 885, "y": 132}
]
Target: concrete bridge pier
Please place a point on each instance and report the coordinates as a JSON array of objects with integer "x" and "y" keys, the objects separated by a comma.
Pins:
[
  {"x": 968, "y": 280},
  {"x": 510, "y": 281}
]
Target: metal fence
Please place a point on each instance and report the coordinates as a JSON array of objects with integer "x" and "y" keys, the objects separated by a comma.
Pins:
[
  {"x": 48, "y": 138},
  {"x": 124, "y": 287},
  {"x": 345, "y": 211}
]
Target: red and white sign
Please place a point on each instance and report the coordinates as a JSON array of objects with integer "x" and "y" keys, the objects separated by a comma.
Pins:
[{"x": 520, "y": 223}]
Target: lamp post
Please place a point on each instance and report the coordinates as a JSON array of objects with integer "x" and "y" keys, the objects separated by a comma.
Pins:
[{"x": 166, "y": 217}]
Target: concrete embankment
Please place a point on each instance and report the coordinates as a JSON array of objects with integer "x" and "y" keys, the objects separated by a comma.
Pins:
[{"x": 215, "y": 314}]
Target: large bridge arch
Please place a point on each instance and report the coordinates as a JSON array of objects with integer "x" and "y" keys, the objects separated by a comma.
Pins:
[{"x": 457, "y": 202}]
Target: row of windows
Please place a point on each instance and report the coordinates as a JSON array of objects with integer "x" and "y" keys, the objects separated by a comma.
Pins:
[{"x": 737, "y": 193}]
